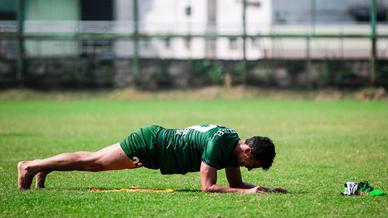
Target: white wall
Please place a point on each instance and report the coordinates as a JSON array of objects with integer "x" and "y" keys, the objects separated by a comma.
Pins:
[
  {"x": 45, "y": 16},
  {"x": 168, "y": 16},
  {"x": 332, "y": 17},
  {"x": 258, "y": 18},
  {"x": 332, "y": 11}
]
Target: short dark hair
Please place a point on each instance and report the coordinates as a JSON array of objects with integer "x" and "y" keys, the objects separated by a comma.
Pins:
[{"x": 263, "y": 150}]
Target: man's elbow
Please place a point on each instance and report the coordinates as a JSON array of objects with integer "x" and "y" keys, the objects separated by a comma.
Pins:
[
  {"x": 207, "y": 188},
  {"x": 236, "y": 185}
]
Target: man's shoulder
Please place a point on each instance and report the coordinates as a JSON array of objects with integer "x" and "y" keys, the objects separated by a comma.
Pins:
[{"x": 225, "y": 132}]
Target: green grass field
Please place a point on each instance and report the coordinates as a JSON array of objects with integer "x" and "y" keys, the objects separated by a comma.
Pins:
[{"x": 320, "y": 145}]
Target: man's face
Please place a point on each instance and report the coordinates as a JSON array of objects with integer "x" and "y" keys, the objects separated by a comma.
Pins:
[{"x": 245, "y": 158}]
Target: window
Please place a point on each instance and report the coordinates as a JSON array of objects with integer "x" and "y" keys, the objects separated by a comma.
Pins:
[{"x": 233, "y": 44}]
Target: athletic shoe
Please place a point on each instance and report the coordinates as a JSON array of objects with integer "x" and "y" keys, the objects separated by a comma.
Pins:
[{"x": 360, "y": 188}]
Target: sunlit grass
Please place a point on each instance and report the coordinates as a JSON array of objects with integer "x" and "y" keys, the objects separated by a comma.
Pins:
[{"x": 320, "y": 145}]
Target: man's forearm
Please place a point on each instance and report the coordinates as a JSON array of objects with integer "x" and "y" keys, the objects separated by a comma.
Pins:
[
  {"x": 243, "y": 185},
  {"x": 223, "y": 189}
]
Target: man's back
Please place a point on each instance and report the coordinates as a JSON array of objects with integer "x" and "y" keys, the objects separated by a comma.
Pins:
[{"x": 182, "y": 150}]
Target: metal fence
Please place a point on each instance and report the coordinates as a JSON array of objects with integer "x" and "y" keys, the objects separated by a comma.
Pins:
[{"x": 133, "y": 37}]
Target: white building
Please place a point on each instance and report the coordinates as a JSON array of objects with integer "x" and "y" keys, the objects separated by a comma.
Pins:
[
  {"x": 207, "y": 16},
  {"x": 263, "y": 17},
  {"x": 194, "y": 17}
]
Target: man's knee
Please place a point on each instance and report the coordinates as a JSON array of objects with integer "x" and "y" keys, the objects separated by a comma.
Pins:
[{"x": 89, "y": 160}]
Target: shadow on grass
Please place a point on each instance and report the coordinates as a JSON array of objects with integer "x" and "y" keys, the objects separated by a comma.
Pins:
[
  {"x": 297, "y": 193},
  {"x": 188, "y": 190},
  {"x": 107, "y": 189},
  {"x": 104, "y": 188}
]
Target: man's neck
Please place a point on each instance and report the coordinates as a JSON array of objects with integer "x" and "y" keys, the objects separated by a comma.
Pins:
[{"x": 237, "y": 149}]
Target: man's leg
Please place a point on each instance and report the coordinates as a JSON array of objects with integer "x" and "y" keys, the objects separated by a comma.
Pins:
[
  {"x": 40, "y": 178},
  {"x": 109, "y": 158}
]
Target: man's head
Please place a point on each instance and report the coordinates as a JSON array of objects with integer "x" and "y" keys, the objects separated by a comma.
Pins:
[{"x": 256, "y": 152}]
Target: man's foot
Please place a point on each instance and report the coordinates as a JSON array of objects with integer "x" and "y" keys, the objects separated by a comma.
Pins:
[
  {"x": 24, "y": 176},
  {"x": 40, "y": 179}
]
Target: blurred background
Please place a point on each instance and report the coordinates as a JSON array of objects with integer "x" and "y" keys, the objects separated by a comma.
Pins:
[{"x": 179, "y": 44}]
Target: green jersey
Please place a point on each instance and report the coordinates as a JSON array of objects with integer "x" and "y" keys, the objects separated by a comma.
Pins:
[{"x": 182, "y": 150}]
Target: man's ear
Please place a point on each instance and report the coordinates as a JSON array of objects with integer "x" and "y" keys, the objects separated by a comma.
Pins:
[{"x": 247, "y": 149}]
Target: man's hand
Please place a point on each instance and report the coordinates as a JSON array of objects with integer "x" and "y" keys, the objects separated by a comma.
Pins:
[
  {"x": 259, "y": 189},
  {"x": 256, "y": 189},
  {"x": 209, "y": 182}
]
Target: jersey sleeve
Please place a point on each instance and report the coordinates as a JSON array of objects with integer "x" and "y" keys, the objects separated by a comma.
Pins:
[{"x": 218, "y": 151}]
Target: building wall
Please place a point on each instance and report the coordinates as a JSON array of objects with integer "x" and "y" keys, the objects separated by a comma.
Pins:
[
  {"x": 258, "y": 20},
  {"x": 51, "y": 16},
  {"x": 7, "y": 5},
  {"x": 168, "y": 16},
  {"x": 331, "y": 17},
  {"x": 263, "y": 16},
  {"x": 326, "y": 11}
]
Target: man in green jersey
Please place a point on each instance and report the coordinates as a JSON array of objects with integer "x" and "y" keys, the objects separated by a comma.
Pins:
[{"x": 205, "y": 148}]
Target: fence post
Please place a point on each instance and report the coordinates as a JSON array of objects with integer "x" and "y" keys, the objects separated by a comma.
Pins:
[
  {"x": 20, "y": 52},
  {"x": 308, "y": 37},
  {"x": 244, "y": 20},
  {"x": 135, "y": 58},
  {"x": 373, "y": 55}
]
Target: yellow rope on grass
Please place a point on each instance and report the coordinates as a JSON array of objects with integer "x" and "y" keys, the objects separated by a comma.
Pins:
[{"x": 132, "y": 189}]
